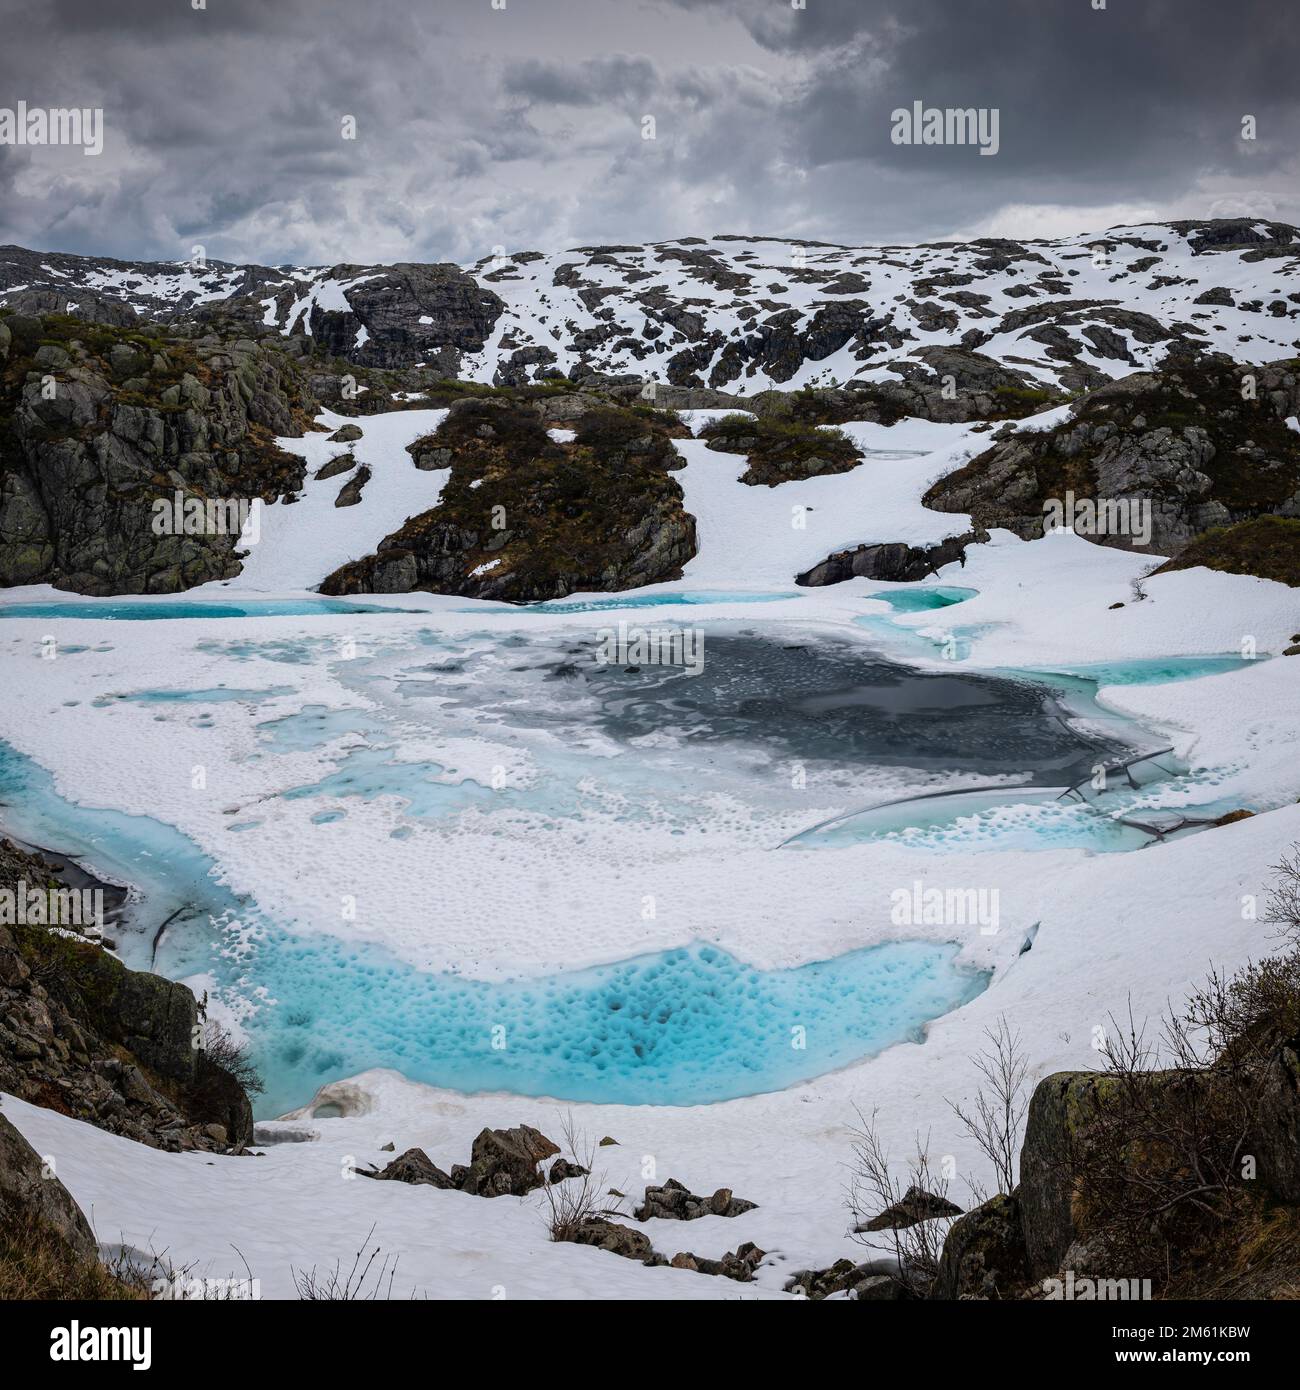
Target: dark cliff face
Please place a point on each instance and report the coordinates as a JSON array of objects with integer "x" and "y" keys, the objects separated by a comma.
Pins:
[
  {"x": 524, "y": 518},
  {"x": 119, "y": 1048},
  {"x": 406, "y": 314},
  {"x": 100, "y": 424},
  {"x": 1203, "y": 442}
]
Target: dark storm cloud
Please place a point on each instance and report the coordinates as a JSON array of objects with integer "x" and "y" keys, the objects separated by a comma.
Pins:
[
  {"x": 480, "y": 127},
  {"x": 582, "y": 84},
  {"x": 1140, "y": 90}
]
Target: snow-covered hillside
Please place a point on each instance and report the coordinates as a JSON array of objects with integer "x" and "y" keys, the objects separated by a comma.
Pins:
[{"x": 741, "y": 313}]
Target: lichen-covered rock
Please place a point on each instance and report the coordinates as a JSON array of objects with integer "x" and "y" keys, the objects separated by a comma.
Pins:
[
  {"x": 1060, "y": 1110},
  {"x": 984, "y": 1253}
]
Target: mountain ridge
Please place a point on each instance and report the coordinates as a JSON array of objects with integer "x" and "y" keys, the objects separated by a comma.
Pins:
[{"x": 733, "y": 312}]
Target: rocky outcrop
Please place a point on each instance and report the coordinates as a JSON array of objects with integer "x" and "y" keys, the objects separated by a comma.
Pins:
[
  {"x": 1160, "y": 457},
  {"x": 396, "y": 315},
  {"x": 128, "y": 462},
  {"x": 503, "y": 1163},
  {"x": 1060, "y": 1111},
  {"x": 738, "y": 1264},
  {"x": 1086, "y": 1132},
  {"x": 524, "y": 518},
  {"x": 955, "y": 384},
  {"x": 675, "y": 1202},
  {"x": 82, "y": 1034},
  {"x": 915, "y": 1206},
  {"x": 33, "y": 1200},
  {"x": 871, "y": 1282},
  {"x": 893, "y": 561},
  {"x": 1265, "y": 546},
  {"x": 782, "y": 451}
]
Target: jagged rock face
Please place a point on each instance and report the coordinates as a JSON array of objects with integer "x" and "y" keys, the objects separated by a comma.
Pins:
[
  {"x": 741, "y": 314},
  {"x": 1201, "y": 444},
  {"x": 100, "y": 425},
  {"x": 523, "y": 518},
  {"x": 400, "y": 315},
  {"x": 82, "y": 1034}
]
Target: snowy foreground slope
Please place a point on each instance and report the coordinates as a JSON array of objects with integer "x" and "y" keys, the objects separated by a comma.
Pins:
[
  {"x": 546, "y": 887},
  {"x": 739, "y": 313}
]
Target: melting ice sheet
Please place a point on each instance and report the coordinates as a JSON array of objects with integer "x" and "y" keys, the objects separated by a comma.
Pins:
[
  {"x": 680, "y": 1027},
  {"x": 686, "y": 1026}
]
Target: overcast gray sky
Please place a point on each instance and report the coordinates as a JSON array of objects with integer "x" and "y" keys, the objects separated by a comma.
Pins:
[{"x": 522, "y": 126}]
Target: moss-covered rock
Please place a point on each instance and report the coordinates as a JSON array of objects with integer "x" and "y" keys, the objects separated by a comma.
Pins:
[
  {"x": 782, "y": 450},
  {"x": 1267, "y": 546},
  {"x": 984, "y": 1254},
  {"x": 525, "y": 518}
]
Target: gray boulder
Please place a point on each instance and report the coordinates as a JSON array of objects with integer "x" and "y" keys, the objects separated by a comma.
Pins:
[
  {"x": 675, "y": 1202},
  {"x": 33, "y": 1204},
  {"x": 984, "y": 1255}
]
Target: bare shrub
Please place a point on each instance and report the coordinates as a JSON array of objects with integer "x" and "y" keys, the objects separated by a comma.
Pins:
[
  {"x": 363, "y": 1283},
  {"x": 231, "y": 1056},
  {"x": 1000, "y": 1106},
  {"x": 1283, "y": 910},
  {"x": 873, "y": 1189},
  {"x": 574, "y": 1201}
]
